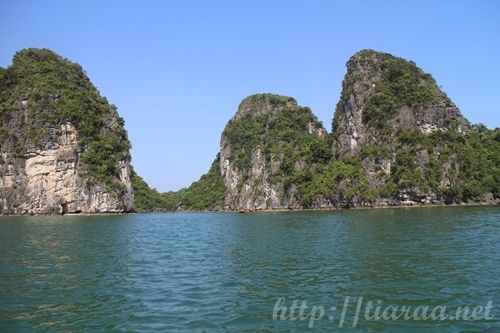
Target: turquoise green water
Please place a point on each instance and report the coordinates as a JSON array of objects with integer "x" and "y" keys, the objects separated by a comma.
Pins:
[{"x": 223, "y": 272}]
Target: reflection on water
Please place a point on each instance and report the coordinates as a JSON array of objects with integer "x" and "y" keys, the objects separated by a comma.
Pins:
[{"x": 195, "y": 272}]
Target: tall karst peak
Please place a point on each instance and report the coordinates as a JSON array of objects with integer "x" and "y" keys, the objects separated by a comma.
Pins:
[
  {"x": 383, "y": 94},
  {"x": 263, "y": 149},
  {"x": 63, "y": 146},
  {"x": 397, "y": 139}
]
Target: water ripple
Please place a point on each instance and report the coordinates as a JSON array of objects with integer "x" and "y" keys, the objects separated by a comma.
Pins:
[{"x": 210, "y": 272}]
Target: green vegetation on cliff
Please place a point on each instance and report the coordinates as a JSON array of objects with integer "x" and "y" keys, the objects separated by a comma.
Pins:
[
  {"x": 207, "y": 193},
  {"x": 279, "y": 130},
  {"x": 393, "y": 82},
  {"x": 457, "y": 167},
  {"x": 402, "y": 83},
  {"x": 343, "y": 181},
  {"x": 53, "y": 91},
  {"x": 470, "y": 163},
  {"x": 287, "y": 136},
  {"x": 411, "y": 142}
]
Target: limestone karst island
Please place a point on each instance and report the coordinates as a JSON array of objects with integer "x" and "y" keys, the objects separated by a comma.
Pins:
[
  {"x": 249, "y": 166},
  {"x": 396, "y": 139}
]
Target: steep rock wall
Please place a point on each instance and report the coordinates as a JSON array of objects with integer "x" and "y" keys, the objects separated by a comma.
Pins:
[
  {"x": 382, "y": 94},
  {"x": 50, "y": 181},
  {"x": 63, "y": 147},
  {"x": 261, "y": 151}
]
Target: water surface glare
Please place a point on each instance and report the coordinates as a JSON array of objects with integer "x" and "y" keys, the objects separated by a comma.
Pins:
[{"x": 225, "y": 272}]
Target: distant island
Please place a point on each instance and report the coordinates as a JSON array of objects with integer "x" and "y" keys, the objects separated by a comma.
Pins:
[{"x": 396, "y": 140}]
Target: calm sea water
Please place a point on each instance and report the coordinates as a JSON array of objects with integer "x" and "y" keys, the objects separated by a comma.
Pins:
[{"x": 224, "y": 272}]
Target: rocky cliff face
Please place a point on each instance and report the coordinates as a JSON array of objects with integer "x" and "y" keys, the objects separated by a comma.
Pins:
[
  {"x": 383, "y": 94},
  {"x": 397, "y": 140},
  {"x": 63, "y": 147},
  {"x": 262, "y": 152},
  {"x": 404, "y": 131}
]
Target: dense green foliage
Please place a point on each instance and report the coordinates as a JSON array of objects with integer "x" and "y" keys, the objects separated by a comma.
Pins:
[
  {"x": 205, "y": 194},
  {"x": 341, "y": 180},
  {"x": 147, "y": 199},
  {"x": 470, "y": 164},
  {"x": 58, "y": 91},
  {"x": 101, "y": 156},
  {"x": 470, "y": 161},
  {"x": 280, "y": 133},
  {"x": 402, "y": 84}
]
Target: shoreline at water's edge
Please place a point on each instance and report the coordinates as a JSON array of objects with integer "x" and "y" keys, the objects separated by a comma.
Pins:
[
  {"x": 489, "y": 203},
  {"x": 74, "y": 214}
]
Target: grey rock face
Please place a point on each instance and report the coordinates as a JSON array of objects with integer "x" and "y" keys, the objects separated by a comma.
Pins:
[
  {"x": 254, "y": 186},
  {"x": 360, "y": 80},
  {"x": 49, "y": 180},
  {"x": 365, "y": 71},
  {"x": 254, "y": 192},
  {"x": 63, "y": 148},
  {"x": 370, "y": 75}
]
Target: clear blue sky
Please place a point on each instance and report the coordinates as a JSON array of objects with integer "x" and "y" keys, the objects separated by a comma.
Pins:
[{"x": 177, "y": 70}]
